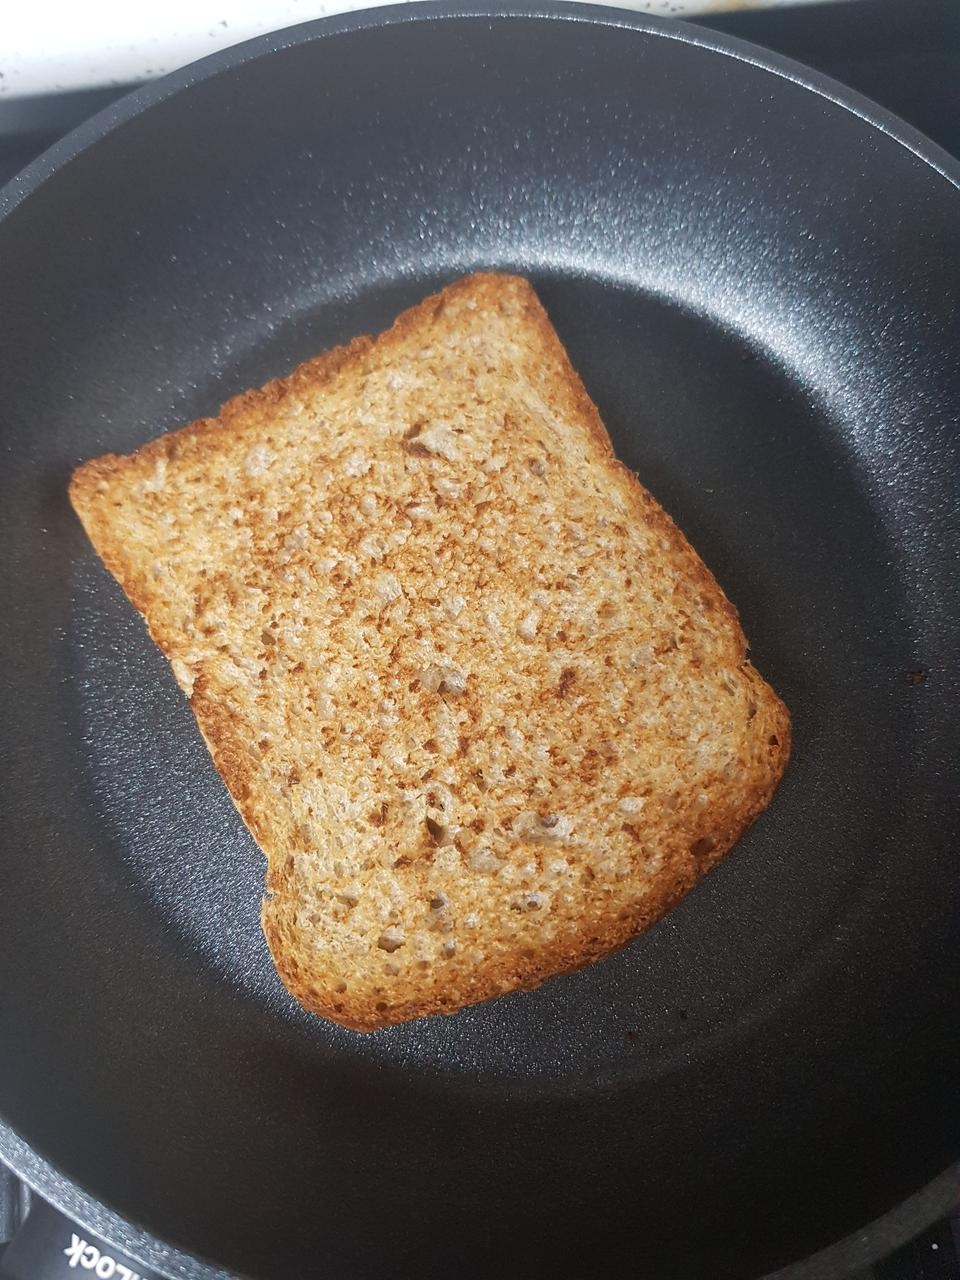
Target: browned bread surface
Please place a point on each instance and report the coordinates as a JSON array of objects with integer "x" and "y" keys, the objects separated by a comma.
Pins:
[{"x": 481, "y": 705}]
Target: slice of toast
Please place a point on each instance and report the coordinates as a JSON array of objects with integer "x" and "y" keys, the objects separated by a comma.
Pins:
[{"x": 482, "y": 706}]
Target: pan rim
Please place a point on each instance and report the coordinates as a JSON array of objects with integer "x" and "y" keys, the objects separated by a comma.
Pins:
[
  {"x": 133, "y": 104},
  {"x": 874, "y": 1240},
  {"x": 852, "y": 1253}
]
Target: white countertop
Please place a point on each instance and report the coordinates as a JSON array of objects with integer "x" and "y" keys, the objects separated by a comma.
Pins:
[{"x": 58, "y": 45}]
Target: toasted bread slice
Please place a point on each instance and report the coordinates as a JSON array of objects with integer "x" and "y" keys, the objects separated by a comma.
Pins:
[{"x": 481, "y": 705}]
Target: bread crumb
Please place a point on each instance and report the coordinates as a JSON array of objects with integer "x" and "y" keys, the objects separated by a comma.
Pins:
[
  {"x": 391, "y": 939},
  {"x": 529, "y": 625},
  {"x": 386, "y": 587},
  {"x": 357, "y": 464},
  {"x": 542, "y": 829},
  {"x": 483, "y": 860},
  {"x": 258, "y": 459},
  {"x": 372, "y": 547},
  {"x": 438, "y": 440},
  {"x": 437, "y": 679},
  {"x": 631, "y": 804}
]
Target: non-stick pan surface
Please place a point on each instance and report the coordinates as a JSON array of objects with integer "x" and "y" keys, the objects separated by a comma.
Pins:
[{"x": 759, "y": 280}]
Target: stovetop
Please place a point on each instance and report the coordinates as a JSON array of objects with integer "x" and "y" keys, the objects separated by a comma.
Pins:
[{"x": 905, "y": 54}]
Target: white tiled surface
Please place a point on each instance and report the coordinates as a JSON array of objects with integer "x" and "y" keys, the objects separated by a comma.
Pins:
[{"x": 54, "y": 45}]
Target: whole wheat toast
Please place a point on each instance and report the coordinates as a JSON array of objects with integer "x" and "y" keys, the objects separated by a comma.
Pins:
[{"x": 481, "y": 705}]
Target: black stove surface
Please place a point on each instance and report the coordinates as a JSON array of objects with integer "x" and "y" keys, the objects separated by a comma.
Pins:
[{"x": 904, "y": 54}]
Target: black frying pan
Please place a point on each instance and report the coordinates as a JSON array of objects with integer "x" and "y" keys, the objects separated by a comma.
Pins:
[{"x": 758, "y": 276}]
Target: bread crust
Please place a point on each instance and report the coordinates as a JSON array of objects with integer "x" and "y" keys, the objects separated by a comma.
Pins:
[{"x": 104, "y": 493}]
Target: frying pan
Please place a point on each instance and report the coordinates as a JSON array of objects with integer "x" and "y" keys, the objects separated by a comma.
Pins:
[{"x": 757, "y": 275}]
